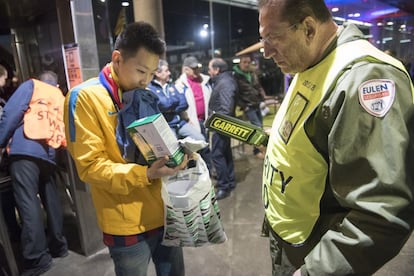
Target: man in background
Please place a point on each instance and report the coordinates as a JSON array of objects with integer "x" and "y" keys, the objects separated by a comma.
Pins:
[
  {"x": 32, "y": 127},
  {"x": 7, "y": 199},
  {"x": 172, "y": 103},
  {"x": 3, "y": 78},
  {"x": 197, "y": 91},
  {"x": 222, "y": 101},
  {"x": 250, "y": 95}
]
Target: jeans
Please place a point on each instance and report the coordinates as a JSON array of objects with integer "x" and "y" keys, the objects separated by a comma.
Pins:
[
  {"x": 187, "y": 130},
  {"x": 133, "y": 260},
  {"x": 205, "y": 152},
  {"x": 8, "y": 204},
  {"x": 255, "y": 117},
  {"x": 222, "y": 159},
  {"x": 32, "y": 176},
  {"x": 281, "y": 264}
]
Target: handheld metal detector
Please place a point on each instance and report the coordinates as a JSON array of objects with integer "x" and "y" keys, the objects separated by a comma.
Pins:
[{"x": 238, "y": 129}]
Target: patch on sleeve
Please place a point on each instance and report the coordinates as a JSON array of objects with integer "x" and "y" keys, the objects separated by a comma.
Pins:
[{"x": 376, "y": 96}]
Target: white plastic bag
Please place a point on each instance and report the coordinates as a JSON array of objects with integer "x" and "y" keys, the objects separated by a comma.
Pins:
[{"x": 192, "y": 214}]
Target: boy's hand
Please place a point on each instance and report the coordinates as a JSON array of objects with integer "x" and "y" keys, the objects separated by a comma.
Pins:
[{"x": 158, "y": 169}]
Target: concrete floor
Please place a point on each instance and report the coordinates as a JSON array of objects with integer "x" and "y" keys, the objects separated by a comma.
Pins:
[{"x": 244, "y": 254}]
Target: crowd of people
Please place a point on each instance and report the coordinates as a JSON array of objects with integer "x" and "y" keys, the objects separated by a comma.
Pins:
[
  {"x": 189, "y": 100},
  {"x": 337, "y": 183},
  {"x": 185, "y": 103}
]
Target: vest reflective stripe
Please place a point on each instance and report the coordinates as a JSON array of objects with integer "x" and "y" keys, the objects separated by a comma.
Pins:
[
  {"x": 44, "y": 118},
  {"x": 294, "y": 173}
]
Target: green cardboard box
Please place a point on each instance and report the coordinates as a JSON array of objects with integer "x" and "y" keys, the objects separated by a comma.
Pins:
[{"x": 155, "y": 139}]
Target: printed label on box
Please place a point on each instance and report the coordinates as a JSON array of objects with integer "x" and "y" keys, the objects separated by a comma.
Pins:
[{"x": 155, "y": 139}]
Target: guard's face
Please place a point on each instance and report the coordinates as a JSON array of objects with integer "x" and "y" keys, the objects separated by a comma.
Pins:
[
  {"x": 137, "y": 71},
  {"x": 283, "y": 42}
]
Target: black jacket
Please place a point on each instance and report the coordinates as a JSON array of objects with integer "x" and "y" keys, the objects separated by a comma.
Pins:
[
  {"x": 222, "y": 98},
  {"x": 250, "y": 94}
]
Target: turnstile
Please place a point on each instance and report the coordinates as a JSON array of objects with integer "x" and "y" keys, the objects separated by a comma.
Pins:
[
  {"x": 77, "y": 192},
  {"x": 7, "y": 259}
]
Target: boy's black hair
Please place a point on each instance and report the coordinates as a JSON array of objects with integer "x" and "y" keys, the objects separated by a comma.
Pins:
[{"x": 137, "y": 35}]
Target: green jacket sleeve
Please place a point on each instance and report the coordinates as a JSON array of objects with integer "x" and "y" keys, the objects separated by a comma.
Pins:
[{"x": 369, "y": 175}]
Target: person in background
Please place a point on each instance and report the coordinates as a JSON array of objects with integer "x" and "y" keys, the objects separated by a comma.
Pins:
[
  {"x": 412, "y": 70},
  {"x": 172, "y": 103},
  {"x": 391, "y": 52},
  {"x": 338, "y": 181},
  {"x": 34, "y": 141},
  {"x": 3, "y": 78},
  {"x": 7, "y": 199},
  {"x": 394, "y": 54},
  {"x": 222, "y": 101},
  {"x": 197, "y": 90},
  {"x": 126, "y": 192},
  {"x": 250, "y": 95}
]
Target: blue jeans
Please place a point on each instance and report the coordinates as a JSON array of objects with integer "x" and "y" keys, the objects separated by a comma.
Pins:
[
  {"x": 187, "y": 130},
  {"x": 133, "y": 260},
  {"x": 222, "y": 158},
  {"x": 32, "y": 176},
  {"x": 205, "y": 153},
  {"x": 255, "y": 117}
]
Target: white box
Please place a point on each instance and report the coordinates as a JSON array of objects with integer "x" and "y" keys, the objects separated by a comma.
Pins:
[{"x": 155, "y": 139}]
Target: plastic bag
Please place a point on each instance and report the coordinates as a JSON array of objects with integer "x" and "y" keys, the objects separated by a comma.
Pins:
[{"x": 192, "y": 214}]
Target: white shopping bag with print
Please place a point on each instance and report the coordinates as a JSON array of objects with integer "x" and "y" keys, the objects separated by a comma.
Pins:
[{"x": 192, "y": 215}]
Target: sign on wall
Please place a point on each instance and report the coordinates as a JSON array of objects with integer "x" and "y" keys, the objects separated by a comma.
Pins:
[{"x": 72, "y": 65}]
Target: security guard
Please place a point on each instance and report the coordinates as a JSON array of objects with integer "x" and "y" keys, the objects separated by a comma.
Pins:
[{"x": 337, "y": 182}]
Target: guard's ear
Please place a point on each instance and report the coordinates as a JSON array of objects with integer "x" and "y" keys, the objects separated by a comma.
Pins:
[{"x": 309, "y": 26}]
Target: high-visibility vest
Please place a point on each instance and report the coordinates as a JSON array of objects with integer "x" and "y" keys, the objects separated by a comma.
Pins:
[
  {"x": 294, "y": 172},
  {"x": 44, "y": 118}
]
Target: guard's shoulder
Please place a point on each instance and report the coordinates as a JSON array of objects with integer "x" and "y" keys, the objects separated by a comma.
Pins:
[{"x": 376, "y": 96}]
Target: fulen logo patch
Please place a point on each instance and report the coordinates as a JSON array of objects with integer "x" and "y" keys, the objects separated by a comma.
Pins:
[{"x": 376, "y": 96}]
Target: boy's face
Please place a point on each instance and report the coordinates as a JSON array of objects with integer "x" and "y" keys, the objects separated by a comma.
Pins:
[{"x": 137, "y": 71}]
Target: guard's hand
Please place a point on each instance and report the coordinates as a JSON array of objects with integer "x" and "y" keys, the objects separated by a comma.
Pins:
[
  {"x": 262, "y": 149},
  {"x": 158, "y": 169}
]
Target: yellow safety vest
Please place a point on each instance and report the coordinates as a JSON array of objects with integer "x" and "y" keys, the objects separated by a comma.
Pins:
[
  {"x": 44, "y": 118},
  {"x": 294, "y": 172}
]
